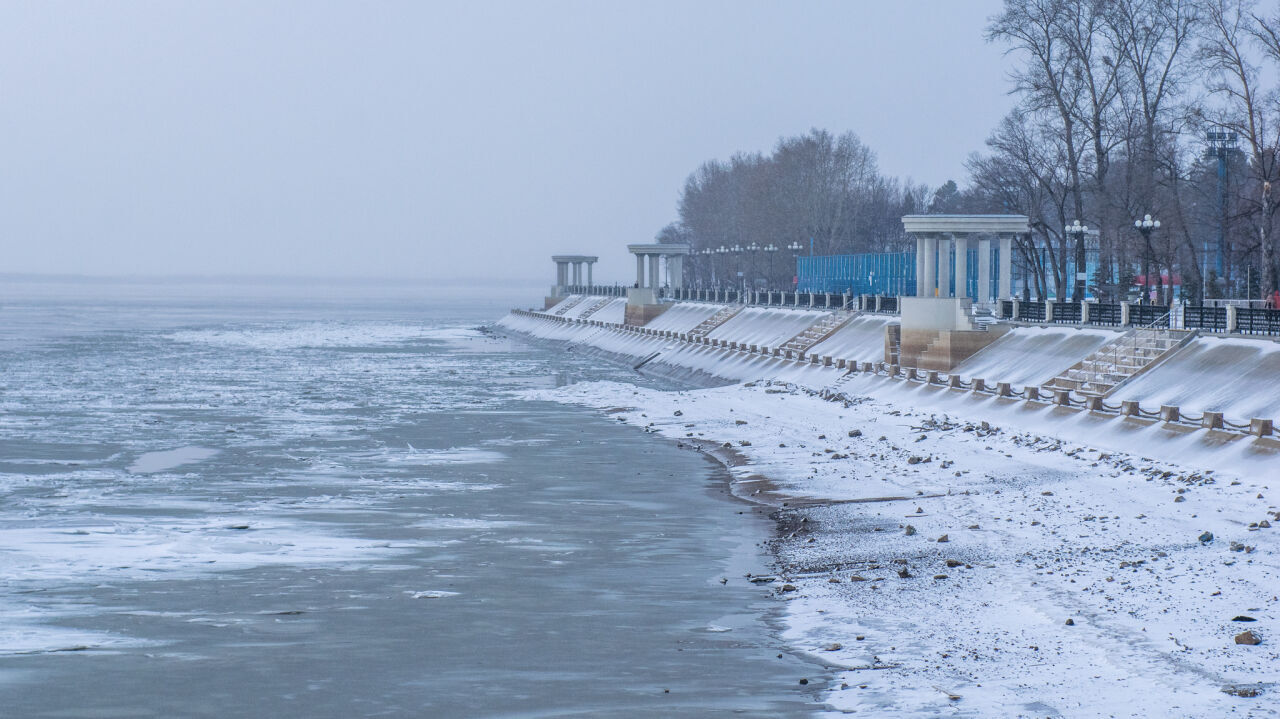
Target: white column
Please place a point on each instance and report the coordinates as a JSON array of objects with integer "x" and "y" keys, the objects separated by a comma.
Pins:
[
  {"x": 654, "y": 279},
  {"x": 577, "y": 273},
  {"x": 562, "y": 273},
  {"x": 962, "y": 265},
  {"x": 639, "y": 270},
  {"x": 675, "y": 267},
  {"x": 930, "y": 265},
  {"x": 944, "y": 267},
  {"x": 921, "y": 248},
  {"x": 984, "y": 270},
  {"x": 1005, "y": 278},
  {"x": 589, "y": 264}
]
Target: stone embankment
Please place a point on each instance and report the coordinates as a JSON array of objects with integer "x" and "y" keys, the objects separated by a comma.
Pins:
[{"x": 1228, "y": 387}]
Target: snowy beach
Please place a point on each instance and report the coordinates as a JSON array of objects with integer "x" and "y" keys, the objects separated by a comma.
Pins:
[{"x": 985, "y": 560}]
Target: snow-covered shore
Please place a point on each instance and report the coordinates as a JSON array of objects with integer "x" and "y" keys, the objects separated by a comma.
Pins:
[
  {"x": 1048, "y": 516},
  {"x": 1038, "y": 532}
]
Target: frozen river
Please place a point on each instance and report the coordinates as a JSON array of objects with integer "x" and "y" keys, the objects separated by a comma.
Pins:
[{"x": 239, "y": 502}]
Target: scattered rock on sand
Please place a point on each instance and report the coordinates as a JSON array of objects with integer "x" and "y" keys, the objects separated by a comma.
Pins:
[
  {"x": 906, "y": 574},
  {"x": 834, "y": 647},
  {"x": 943, "y": 539},
  {"x": 1248, "y": 638},
  {"x": 953, "y": 563},
  {"x": 1206, "y": 537},
  {"x": 1071, "y": 622},
  {"x": 910, "y": 530}
]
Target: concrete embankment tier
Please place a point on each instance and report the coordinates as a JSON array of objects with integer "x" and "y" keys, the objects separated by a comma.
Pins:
[{"x": 1225, "y": 388}]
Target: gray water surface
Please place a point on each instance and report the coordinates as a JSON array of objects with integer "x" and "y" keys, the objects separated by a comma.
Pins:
[{"x": 295, "y": 508}]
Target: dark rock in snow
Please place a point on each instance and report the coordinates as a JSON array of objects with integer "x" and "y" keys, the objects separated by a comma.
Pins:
[
  {"x": 1206, "y": 537},
  {"x": 1248, "y": 638}
]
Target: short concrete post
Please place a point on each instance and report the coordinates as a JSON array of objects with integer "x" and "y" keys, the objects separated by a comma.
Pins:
[
  {"x": 1260, "y": 427},
  {"x": 1048, "y": 310},
  {"x": 826, "y": 360},
  {"x": 894, "y": 370},
  {"x": 1032, "y": 392},
  {"x": 979, "y": 385},
  {"x": 1084, "y": 312},
  {"x": 1211, "y": 420},
  {"x": 878, "y": 298},
  {"x": 1004, "y": 389},
  {"x": 1017, "y": 307},
  {"x": 1232, "y": 322},
  {"x": 1124, "y": 314},
  {"x": 840, "y": 364},
  {"x": 1093, "y": 403},
  {"x": 932, "y": 377},
  {"x": 1130, "y": 408},
  {"x": 869, "y": 367},
  {"x": 1169, "y": 412},
  {"x": 954, "y": 381},
  {"x": 911, "y": 373},
  {"x": 1062, "y": 397}
]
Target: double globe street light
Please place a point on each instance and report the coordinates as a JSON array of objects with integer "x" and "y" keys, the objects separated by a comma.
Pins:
[
  {"x": 1146, "y": 226},
  {"x": 1077, "y": 231}
]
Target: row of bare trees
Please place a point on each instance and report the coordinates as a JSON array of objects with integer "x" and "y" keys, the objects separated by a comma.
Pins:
[
  {"x": 1115, "y": 101},
  {"x": 817, "y": 191}
]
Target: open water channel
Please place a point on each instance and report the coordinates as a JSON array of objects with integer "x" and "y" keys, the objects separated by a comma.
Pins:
[{"x": 303, "y": 501}]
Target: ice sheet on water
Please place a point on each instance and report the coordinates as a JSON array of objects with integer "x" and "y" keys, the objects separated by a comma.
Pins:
[
  {"x": 320, "y": 334},
  {"x": 170, "y": 458}
]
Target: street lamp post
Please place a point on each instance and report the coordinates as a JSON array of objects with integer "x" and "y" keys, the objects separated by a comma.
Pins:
[
  {"x": 769, "y": 250},
  {"x": 1078, "y": 231},
  {"x": 1146, "y": 226},
  {"x": 795, "y": 248}
]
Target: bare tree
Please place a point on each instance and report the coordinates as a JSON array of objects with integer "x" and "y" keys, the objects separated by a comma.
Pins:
[{"x": 1249, "y": 109}]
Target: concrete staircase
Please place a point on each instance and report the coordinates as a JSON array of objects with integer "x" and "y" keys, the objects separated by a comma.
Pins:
[
  {"x": 595, "y": 307},
  {"x": 570, "y": 304},
  {"x": 705, "y": 327},
  {"x": 817, "y": 332},
  {"x": 1120, "y": 360}
]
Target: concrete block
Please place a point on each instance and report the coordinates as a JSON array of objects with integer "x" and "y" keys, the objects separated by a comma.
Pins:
[
  {"x": 1032, "y": 392},
  {"x": 1130, "y": 408},
  {"x": 840, "y": 364},
  {"x": 1211, "y": 420},
  {"x": 826, "y": 361},
  {"x": 1093, "y": 403},
  {"x": 1169, "y": 413},
  {"x": 894, "y": 370},
  {"x": 869, "y": 367},
  {"x": 1004, "y": 389},
  {"x": 1260, "y": 427},
  {"x": 979, "y": 385},
  {"x": 932, "y": 377},
  {"x": 1062, "y": 397},
  {"x": 954, "y": 381}
]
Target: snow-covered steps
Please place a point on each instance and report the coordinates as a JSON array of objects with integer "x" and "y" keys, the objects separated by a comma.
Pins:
[
  {"x": 1120, "y": 360},
  {"x": 816, "y": 333},
  {"x": 566, "y": 306},
  {"x": 705, "y": 327},
  {"x": 595, "y": 307}
]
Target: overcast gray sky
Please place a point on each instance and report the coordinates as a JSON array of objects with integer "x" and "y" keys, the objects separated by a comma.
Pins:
[{"x": 433, "y": 139}]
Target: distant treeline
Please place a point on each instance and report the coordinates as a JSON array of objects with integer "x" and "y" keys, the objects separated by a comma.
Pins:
[{"x": 1117, "y": 102}]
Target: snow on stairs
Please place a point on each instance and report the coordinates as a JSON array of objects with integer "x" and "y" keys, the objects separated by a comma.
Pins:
[
  {"x": 570, "y": 304},
  {"x": 1120, "y": 360},
  {"x": 705, "y": 327},
  {"x": 816, "y": 333},
  {"x": 594, "y": 308}
]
